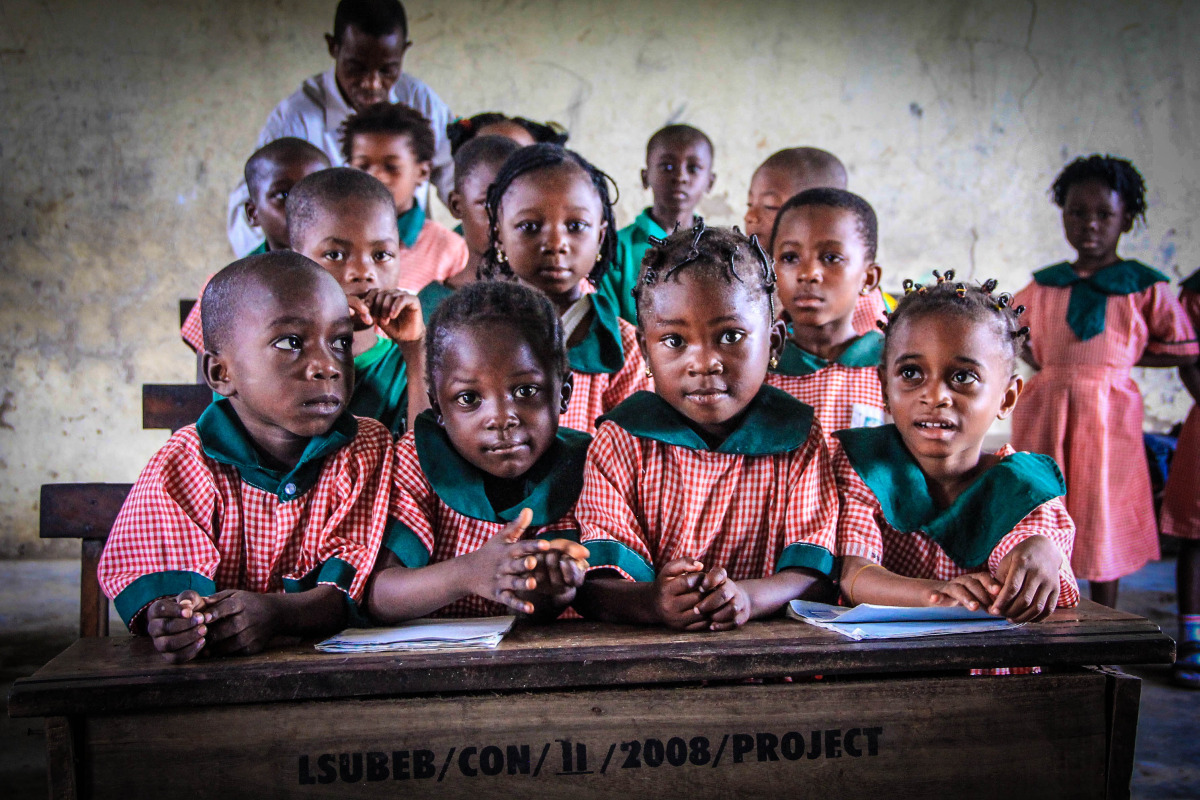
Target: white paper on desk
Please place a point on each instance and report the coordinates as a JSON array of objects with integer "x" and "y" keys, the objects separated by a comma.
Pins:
[
  {"x": 868, "y": 621},
  {"x": 421, "y": 635}
]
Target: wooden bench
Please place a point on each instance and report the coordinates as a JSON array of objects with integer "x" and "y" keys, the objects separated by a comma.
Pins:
[{"x": 171, "y": 406}]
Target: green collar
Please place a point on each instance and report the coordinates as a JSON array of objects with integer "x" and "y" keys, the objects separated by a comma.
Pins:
[
  {"x": 601, "y": 350},
  {"x": 1089, "y": 296},
  {"x": 258, "y": 251},
  {"x": 410, "y": 224},
  {"x": 865, "y": 351},
  {"x": 977, "y": 520},
  {"x": 1192, "y": 284},
  {"x": 431, "y": 296},
  {"x": 774, "y": 422},
  {"x": 226, "y": 441},
  {"x": 551, "y": 487},
  {"x": 647, "y": 226},
  {"x": 378, "y": 350}
]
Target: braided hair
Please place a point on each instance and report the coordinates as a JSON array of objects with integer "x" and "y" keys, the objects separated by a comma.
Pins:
[
  {"x": 973, "y": 301},
  {"x": 1117, "y": 174},
  {"x": 464, "y": 129},
  {"x": 721, "y": 252},
  {"x": 544, "y": 157}
]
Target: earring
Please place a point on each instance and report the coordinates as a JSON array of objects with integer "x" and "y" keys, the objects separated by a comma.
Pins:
[
  {"x": 503, "y": 259},
  {"x": 599, "y": 257},
  {"x": 863, "y": 291},
  {"x": 649, "y": 372},
  {"x": 774, "y": 362}
]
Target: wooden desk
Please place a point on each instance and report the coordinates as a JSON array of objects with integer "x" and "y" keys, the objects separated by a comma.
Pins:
[{"x": 583, "y": 709}]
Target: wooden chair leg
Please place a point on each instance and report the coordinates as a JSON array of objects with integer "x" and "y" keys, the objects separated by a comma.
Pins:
[{"x": 93, "y": 605}]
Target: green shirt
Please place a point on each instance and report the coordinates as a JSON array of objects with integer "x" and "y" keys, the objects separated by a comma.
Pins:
[
  {"x": 381, "y": 386},
  {"x": 632, "y": 243}
]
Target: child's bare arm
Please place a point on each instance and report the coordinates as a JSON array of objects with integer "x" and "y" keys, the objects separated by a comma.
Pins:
[
  {"x": 670, "y": 599},
  {"x": 559, "y": 573},
  {"x": 1165, "y": 360},
  {"x": 1031, "y": 581},
  {"x": 865, "y": 581},
  {"x": 177, "y": 627},
  {"x": 243, "y": 623},
  {"x": 729, "y": 604}
]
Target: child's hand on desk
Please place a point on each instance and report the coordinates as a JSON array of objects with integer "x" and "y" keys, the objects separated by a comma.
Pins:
[
  {"x": 1031, "y": 584},
  {"x": 242, "y": 623},
  {"x": 974, "y": 591},
  {"x": 177, "y": 626},
  {"x": 676, "y": 594},
  {"x": 505, "y": 565},
  {"x": 725, "y": 604},
  {"x": 394, "y": 311},
  {"x": 560, "y": 571}
]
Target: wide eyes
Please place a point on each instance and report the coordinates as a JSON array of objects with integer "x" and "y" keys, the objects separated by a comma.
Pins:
[
  {"x": 466, "y": 399},
  {"x": 342, "y": 344},
  {"x": 732, "y": 337},
  {"x": 383, "y": 255},
  {"x": 909, "y": 373},
  {"x": 287, "y": 343},
  {"x": 294, "y": 344},
  {"x": 964, "y": 377},
  {"x": 526, "y": 392},
  {"x": 672, "y": 340}
]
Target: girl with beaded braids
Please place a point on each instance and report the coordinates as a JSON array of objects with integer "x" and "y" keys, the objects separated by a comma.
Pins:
[
  {"x": 1091, "y": 320},
  {"x": 927, "y": 517},
  {"x": 553, "y": 229},
  {"x": 710, "y": 501}
]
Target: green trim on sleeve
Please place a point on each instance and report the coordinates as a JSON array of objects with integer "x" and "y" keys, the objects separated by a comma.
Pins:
[
  {"x": 405, "y": 544},
  {"x": 148, "y": 588},
  {"x": 808, "y": 556},
  {"x": 611, "y": 553}
]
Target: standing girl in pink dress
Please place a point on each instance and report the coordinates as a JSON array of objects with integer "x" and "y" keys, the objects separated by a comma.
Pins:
[{"x": 1090, "y": 322}]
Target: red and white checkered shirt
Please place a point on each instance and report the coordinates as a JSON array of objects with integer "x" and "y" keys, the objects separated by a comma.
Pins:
[
  {"x": 863, "y": 531},
  {"x": 664, "y": 501},
  {"x": 1181, "y": 497},
  {"x": 192, "y": 331},
  {"x": 443, "y": 532},
  {"x": 188, "y": 513},
  {"x": 834, "y": 391},
  {"x": 437, "y": 254},
  {"x": 868, "y": 310},
  {"x": 594, "y": 394}
]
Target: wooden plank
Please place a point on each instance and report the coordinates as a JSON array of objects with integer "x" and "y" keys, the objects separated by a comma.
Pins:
[
  {"x": 93, "y": 605},
  {"x": 1124, "y": 696},
  {"x": 80, "y": 510},
  {"x": 1029, "y": 737},
  {"x": 61, "y": 763},
  {"x": 173, "y": 406}
]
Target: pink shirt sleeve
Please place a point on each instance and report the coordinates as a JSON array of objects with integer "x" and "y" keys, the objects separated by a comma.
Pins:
[
  {"x": 1171, "y": 332},
  {"x": 858, "y": 532},
  {"x": 1051, "y": 520}
]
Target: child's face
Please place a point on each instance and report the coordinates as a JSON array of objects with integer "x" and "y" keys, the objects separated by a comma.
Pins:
[
  {"x": 550, "y": 227},
  {"x": 390, "y": 159},
  {"x": 356, "y": 242},
  {"x": 708, "y": 342},
  {"x": 468, "y": 204},
  {"x": 287, "y": 366},
  {"x": 770, "y": 188},
  {"x": 1094, "y": 218},
  {"x": 945, "y": 379},
  {"x": 497, "y": 401},
  {"x": 266, "y": 207},
  {"x": 509, "y": 130},
  {"x": 678, "y": 173},
  {"x": 367, "y": 67},
  {"x": 821, "y": 264}
]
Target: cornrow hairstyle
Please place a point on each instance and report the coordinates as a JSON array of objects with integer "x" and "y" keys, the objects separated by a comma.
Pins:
[
  {"x": 973, "y": 301},
  {"x": 491, "y": 151},
  {"x": 722, "y": 252},
  {"x": 464, "y": 129},
  {"x": 319, "y": 191},
  {"x": 482, "y": 305},
  {"x": 220, "y": 305},
  {"x": 543, "y": 157},
  {"x": 288, "y": 150},
  {"x": 373, "y": 17},
  {"x": 1117, "y": 174},
  {"x": 864, "y": 215},
  {"x": 391, "y": 118}
]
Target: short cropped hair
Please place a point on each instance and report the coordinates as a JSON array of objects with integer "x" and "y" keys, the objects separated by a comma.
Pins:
[
  {"x": 391, "y": 118},
  {"x": 289, "y": 149},
  {"x": 220, "y": 305},
  {"x": 864, "y": 215},
  {"x": 490, "y": 151},
  {"x": 327, "y": 188},
  {"x": 809, "y": 162},
  {"x": 373, "y": 17},
  {"x": 678, "y": 133}
]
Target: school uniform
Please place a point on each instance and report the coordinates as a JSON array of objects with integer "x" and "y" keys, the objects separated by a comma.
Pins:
[
  {"x": 315, "y": 112},
  {"x": 440, "y": 508},
  {"x": 431, "y": 296},
  {"x": 1083, "y": 408},
  {"x": 763, "y": 501},
  {"x": 206, "y": 514},
  {"x": 868, "y": 311},
  {"x": 632, "y": 243},
  {"x": 1181, "y": 498},
  {"x": 607, "y": 367},
  {"x": 845, "y": 392},
  {"x": 430, "y": 251}
]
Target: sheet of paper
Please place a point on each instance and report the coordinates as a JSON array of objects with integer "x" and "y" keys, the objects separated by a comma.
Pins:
[
  {"x": 868, "y": 621},
  {"x": 421, "y": 635}
]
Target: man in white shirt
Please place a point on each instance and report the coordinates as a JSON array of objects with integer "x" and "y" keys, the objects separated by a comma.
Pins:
[{"x": 367, "y": 45}]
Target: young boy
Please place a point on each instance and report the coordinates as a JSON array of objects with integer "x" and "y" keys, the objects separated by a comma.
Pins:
[
  {"x": 395, "y": 144},
  {"x": 824, "y": 251},
  {"x": 270, "y": 174},
  {"x": 678, "y": 173},
  {"x": 265, "y": 517},
  {"x": 475, "y": 166},
  {"x": 345, "y": 220}
]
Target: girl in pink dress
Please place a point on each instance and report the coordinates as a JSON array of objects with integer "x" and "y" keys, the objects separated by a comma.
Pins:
[{"x": 1090, "y": 322}]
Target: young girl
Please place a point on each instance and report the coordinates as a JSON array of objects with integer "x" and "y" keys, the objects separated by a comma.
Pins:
[
  {"x": 553, "y": 229},
  {"x": 1090, "y": 321},
  {"x": 824, "y": 246},
  {"x": 711, "y": 501},
  {"x": 1181, "y": 511},
  {"x": 492, "y": 123},
  {"x": 485, "y": 467},
  {"x": 927, "y": 518}
]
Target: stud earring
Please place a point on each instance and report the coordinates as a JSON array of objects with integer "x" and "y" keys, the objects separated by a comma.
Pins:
[
  {"x": 599, "y": 257},
  {"x": 863, "y": 291},
  {"x": 649, "y": 372},
  {"x": 500, "y": 256},
  {"x": 774, "y": 362}
]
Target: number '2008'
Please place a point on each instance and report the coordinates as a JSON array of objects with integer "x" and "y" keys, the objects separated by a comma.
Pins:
[{"x": 676, "y": 752}]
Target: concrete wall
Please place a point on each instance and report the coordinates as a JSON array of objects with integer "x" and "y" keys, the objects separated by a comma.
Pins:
[{"x": 125, "y": 124}]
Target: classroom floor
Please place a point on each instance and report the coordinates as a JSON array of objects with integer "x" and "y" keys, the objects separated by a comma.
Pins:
[{"x": 38, "y": 618}]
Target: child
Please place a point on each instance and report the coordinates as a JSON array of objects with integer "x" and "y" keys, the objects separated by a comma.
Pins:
[
  {"x": 711, "y": 501},
  {"x": 484, "y": 465},
  {"x": 552, "y": 229},
  {"x": 492, "y": 123},
  {"x": 475, "y": 167},
  {"x": 345, "y": 220},
  {"x": 679, "y": 172},
  {"x": 265, "y": 517},
  {"x": 785, "y": 174},
  {"x": 927, "y": 518},
  {"x": 270, "y": 174},
  {"x": 1090, "y": 322},
  {"x": 395, "y": 144},
  {"x": 1181, "y": 511},
  {"x": 824, "y": 244}
]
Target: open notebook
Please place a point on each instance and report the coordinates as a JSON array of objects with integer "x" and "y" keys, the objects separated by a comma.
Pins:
[
  {"x": 867, "y": 621},
  {"x": 421, "y": 635}
]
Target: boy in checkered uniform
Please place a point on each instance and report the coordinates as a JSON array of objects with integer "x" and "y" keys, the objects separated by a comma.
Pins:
[
  {"x": 927, "y": 518},
  {"x": 711, "y": 501},
  {"x": 265, "y": 517},
  {"x": 824, "y": 248},
  {"x": 487, "y": 468}
]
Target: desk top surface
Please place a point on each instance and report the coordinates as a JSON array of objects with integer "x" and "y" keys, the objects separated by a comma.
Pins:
[{"x": 125, "y": 674}]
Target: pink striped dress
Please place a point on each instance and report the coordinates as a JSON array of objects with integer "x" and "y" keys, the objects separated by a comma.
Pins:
[
  {"x": 1083, "y": 409},
  {"x": 1181, "y": 499}
]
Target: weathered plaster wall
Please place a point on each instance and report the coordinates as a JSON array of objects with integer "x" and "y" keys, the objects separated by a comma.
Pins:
[{"x": 123, "y": 125}]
